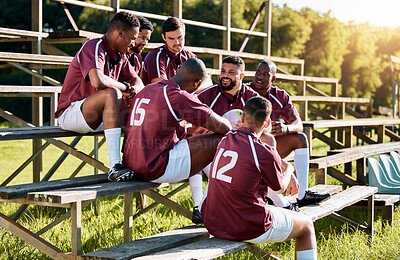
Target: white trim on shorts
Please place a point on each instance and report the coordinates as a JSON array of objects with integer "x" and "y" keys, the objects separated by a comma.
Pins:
[
  {"x": 280, "y": 229},
  {"x": 179, "y": 164},
  {"x": 72, "y": 119}
]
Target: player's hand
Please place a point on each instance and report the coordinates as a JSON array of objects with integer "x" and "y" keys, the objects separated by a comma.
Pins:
[
  {"x": 293, "y": 186},
  {"x": 278, "y": 128}
]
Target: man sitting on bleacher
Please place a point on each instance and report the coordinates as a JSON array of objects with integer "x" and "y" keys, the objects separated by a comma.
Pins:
[
  {"x": 155, "y": 147},
  {"x": 288, "y": 135},
  {"x": 230, "y": 94},
  {"x": 234, "y": 207},
  {"x": 91, "y": 95}
]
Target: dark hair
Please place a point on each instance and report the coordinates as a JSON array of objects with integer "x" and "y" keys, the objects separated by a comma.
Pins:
[
  {"x": 124, "y": 20},
  {"x": 259, "y": 108},
  {"x": 144, "y": 24},
  {"x": 193, "y": 69},
  {"x": 271, "y": 65},
  {"x": 235, "y": 60},
  {"x": 172, "y": 24}
]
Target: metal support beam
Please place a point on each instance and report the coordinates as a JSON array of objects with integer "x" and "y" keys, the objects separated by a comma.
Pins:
[
  {"x": 226, "y": 41},
  {"x": 267, "y": 28}
]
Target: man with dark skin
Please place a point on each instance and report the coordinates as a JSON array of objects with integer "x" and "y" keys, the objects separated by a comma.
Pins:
[
  {"x": 288, "y": 134},
  {"x": 135, "y": 52},
  {"x": 91, "y": 95}
]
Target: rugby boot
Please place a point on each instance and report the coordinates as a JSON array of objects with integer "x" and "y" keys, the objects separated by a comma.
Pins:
[
  {"x": 292, "y": 206},
  {"x": 312, "y": 198},
  {"x": 197, "y": 218},
  {"x": 119, "y": 173}
]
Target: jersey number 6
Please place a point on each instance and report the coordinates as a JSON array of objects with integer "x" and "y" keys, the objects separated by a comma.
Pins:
[
  {"x": 220, "y": 173},
  {"x": 138, "y": 110}
]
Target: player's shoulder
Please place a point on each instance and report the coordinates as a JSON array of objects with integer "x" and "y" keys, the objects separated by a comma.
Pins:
[
  {"x": 154, "y": 52},
  {"x": 188, "y": 54},
  {"x": 209, "y": 90}
]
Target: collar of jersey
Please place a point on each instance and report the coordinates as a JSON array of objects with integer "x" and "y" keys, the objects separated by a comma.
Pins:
[
  {"x": 169, "y": 82},
  {"x": 231, "y": 98},
  {"x": 245, "y": 130},
  {"x": 113, "y": 54},
  {"x": 170, "y": 53}
]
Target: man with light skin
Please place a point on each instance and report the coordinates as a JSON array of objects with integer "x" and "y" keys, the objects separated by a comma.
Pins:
[
  {"x": 288, "y": 134},
  {"x": 135, "y": 52},
  {"x": 163, "y": 62},
  {"x": 234, "y": 207},
  {"x": 155, "y": 144},
  {"x": 96, "y": 79}
]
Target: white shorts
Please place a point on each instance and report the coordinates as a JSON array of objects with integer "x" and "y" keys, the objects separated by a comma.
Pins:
[
  {"x": 280, "y": 229},
  {"x": 72, "y": 119},
  {"x": 179, "y": 164}
]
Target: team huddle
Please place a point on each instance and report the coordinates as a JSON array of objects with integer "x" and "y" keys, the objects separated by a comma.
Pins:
[{"x": 179, "y": 126}]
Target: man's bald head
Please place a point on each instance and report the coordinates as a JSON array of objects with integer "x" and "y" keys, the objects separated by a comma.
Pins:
[
  {"x": 190, "y": 74},
  {"x": 271, "y": 65}
]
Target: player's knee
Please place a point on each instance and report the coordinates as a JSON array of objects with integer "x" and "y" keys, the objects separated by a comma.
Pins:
[
  {"x": 112, "y": 93},
  {"x": 302, "y": 141}
]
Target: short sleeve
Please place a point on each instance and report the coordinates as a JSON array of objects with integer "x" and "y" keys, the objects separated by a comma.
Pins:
[
  {"x": 89, "y": 59},
  {"x": 155, "y": 65},
  {"x": 289, "y": 111},
  {"x": 271, "y": 167},
  {"x": 191, "y": 109}
]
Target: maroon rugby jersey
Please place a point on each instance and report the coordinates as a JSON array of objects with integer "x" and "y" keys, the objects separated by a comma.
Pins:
[
  {"x": 155, "y": 126},
  {"x": 220, "y": 101},
  {"x": 95, "y": 53},
  {"x": 162, "y": 63},
  {"x": 136, "y": 62},
  {"x": 281, "y": 104},
  {"x": 234, "y": 208}
]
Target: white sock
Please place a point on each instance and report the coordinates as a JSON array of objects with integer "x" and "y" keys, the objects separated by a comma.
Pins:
[
  {"x": 113, "y": 138},
  {"x": 207, "y": 170},
  {"x": 196, "y": 185},
  {"x": 310, "y": 254},
  {"x": 301, "y": 164},
  {"x": 278, "y": 199}
]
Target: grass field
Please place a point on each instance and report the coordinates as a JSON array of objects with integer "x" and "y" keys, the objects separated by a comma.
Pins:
[{"x": 335, "y": 240}]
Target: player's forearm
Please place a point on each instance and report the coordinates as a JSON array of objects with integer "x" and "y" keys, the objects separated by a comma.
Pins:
[
  {"x": 295, "y": 126},
  {"x": 101, "y": 81},
  {"x": 218, "y": 124}
]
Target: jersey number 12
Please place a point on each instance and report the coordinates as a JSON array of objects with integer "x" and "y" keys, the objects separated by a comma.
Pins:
[{"x": 219, "y": 175}]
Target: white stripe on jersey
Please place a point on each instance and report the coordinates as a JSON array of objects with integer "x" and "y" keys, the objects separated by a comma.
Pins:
[
  {"x": 210, "y": 87},
  {"x": 215, "y": 100},
  {"x": 167, "y": 63},
  {"x": 79, "y": 52},
  {"x": 277, "y": 101},
  {"x": 253, "y": 150},
  {"x": 158, "y": 62},
  {"x": 169, "y": 103},
  {"x": 96, "y": 54},
  {"x": 137, "y": 59},
  {"x": 244, "y": 103}
]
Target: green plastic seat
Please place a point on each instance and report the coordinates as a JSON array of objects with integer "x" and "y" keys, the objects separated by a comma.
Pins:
[{"x": 389, "y": 169}]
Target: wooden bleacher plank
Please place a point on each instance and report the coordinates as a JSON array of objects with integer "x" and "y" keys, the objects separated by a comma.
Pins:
[
  {"x": 7, "y": 34},
  {"x": 315, "y": 124},
  {"x": 338, "y": 202},
  {"x": 336, "y": 159},
  {"x": 330, "y": 99},
  {"x": 204, "y": 249},
  {"x": 35, "y": 58},
  {"x": 22, "y": 190},
  {"x": 151, "y": 244},
  {"x": 71, "y": 36},
  {"x": 90, "y": 192},
  {"x": 29, "y": 89},
  {"x": 40, "y": 132}
]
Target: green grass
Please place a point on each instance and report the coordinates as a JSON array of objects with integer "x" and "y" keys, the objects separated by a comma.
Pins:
[{"x": 335, "y": 239}]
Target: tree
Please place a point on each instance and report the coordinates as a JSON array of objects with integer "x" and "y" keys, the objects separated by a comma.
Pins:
[
  {"x": 324, "y": 51},
  {"x": 361, "y": 67}
]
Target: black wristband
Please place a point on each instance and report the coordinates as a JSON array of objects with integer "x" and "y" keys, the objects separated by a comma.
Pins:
[
  {"x": 287, "y": 131},
  {"x": 127, "y": 85}
]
